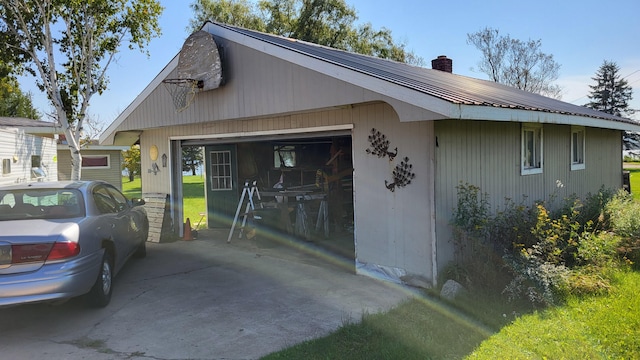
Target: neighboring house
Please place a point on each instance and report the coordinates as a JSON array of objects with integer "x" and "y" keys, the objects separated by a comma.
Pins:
[
  {"x": 42, "y": 154},
  {"x": 27, "y": 151},
  {"x": 399, "y": 138},
  {"x": 98, "y": 162}
]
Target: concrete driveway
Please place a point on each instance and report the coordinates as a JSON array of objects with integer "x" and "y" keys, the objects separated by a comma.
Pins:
[{"x": 203, "y": 299}]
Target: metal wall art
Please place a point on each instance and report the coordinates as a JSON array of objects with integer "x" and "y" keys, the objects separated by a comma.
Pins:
[
  {"x": 402, "y": 174},
  {"x": 379, "y": 145}
]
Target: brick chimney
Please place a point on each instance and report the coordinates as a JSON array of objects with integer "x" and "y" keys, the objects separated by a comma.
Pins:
[{"x": 442, "y": 63}]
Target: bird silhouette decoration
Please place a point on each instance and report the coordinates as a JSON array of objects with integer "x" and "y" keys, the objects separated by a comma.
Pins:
[
  {"x": 402, "y": 175},
  {"x": 379, "y": 145}
]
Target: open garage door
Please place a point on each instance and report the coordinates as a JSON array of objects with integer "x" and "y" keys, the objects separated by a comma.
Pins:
[{"x": 314, "y": 170}]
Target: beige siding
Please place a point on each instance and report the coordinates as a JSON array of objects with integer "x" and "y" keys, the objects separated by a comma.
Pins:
[
  {"x": 112, "y": 175},
  {"x": 392, "y": 229},
  {"x": 487, "y": 154},
  {"x": 265, "y": 85}
]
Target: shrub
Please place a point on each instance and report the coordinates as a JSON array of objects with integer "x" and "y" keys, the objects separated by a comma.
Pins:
[
  {"x": 623, "y": 216},
  {"x": 546, "y": 255}
]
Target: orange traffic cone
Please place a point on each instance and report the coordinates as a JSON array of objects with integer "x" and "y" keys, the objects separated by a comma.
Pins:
[{"x": 187, "y": 230}]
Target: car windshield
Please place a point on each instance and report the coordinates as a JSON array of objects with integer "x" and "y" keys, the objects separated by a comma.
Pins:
[{"x": 40, "y": 203}]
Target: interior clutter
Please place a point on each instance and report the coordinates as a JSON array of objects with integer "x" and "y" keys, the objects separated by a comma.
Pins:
[{"x": 302, "y": 187}]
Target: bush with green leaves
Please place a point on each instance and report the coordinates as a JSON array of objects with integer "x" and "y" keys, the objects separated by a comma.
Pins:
[
  {"x": 623, "y": 216},
  {"x": 545, "y": 254}
]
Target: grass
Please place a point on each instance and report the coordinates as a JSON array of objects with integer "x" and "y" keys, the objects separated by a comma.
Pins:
[
  {"x": 601, "y": 327},
  {"x": 604, "y": 327},
  {"x": 634, "y": 177},
  {"x": 193, "y": 197}
]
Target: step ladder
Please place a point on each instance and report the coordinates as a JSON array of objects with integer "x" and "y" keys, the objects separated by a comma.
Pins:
[{"x": 248, "y": 192}]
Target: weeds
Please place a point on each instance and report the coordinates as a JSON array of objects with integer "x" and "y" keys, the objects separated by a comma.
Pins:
[{"x": 532, "y": 252}]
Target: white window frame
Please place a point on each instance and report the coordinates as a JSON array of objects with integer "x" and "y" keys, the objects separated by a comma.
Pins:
[
  {"x": 578, "y": 149},
  {"x": 6, "y": 167},
  {"x": 222, "y": 176},
  {"x": 97, "y": 157},
  {"x": 537, "y": 136}
]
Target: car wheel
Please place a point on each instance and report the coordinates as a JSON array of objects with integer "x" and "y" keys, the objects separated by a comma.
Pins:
[
  {"x": 141, "y": 252},
  {"x": 100, "y": 294}
]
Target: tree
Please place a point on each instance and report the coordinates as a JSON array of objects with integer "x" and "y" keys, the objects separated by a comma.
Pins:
[
  {"x": 87, "y": 35},
  {"x": 520, "y": 64},
  {"x": 191, "y": 158},
  {"x": 324, "y": 22},
  {"x": 131, "y": 161},
  {"x": 611, "y": 93},
  {"x": 13, "y": 102}
]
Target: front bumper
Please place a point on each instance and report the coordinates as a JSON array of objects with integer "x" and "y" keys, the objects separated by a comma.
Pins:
[{"x": 52, "y": 281}]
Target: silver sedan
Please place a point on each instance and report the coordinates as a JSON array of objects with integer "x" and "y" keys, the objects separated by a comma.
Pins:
[{"x": 60, "y": 240}]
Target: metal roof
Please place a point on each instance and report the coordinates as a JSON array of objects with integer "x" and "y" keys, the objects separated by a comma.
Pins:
[
  {"x": 24, "y": 122},
  {"x": 453, "y": 88}
]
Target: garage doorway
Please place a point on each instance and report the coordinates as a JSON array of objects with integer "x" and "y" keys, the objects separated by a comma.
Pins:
[{"x": 319, "y": 167}]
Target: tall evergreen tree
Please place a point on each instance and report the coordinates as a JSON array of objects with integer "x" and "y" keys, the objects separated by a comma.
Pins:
[{"x": 611, "y": 93}]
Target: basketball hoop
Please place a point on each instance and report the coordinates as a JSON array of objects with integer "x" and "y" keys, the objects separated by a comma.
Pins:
[{"x": 182, "y": 91}]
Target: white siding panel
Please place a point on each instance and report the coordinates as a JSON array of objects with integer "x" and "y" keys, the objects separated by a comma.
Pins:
[
  {"x": 18, "y": 147},
  {"x": 393, "y": 229}
]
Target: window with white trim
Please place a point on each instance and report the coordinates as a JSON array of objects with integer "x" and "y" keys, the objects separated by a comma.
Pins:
[
  {"x": 6, "y": 166},
  {"x": 96, "y": 162},
  {"x": 577, "y": 147},
  {"x": 221, "y": 177},
  {"x": 531, "y": 151}
]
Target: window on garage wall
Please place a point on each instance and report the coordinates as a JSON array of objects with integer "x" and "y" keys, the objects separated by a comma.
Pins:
[
  {"x": 532, "y": 156},
  {"x": 577, "y": 147}
]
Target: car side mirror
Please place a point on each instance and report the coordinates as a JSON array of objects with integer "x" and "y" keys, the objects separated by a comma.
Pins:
[{"x": 137, "y": 202}]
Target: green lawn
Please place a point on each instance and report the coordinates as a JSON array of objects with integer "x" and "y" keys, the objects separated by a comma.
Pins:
[
  {"x": 193, "y": 191},
  {"x": 634, "y": 178}
]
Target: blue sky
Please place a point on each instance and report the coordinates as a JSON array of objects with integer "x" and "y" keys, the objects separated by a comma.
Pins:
[{"x": 579, "y": 34}]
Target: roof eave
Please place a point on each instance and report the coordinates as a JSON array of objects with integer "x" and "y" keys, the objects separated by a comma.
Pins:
[{"x": 475, "y": 112}]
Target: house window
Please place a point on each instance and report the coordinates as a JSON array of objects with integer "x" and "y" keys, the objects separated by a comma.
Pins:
[
  {"x": 6, "y": 166},
  {"x": 96, "y": 162},
  {"x": 221, "y": 177},
  {"x": 577, "y": 147},
  {"x": 532, "y": 159},
  {"x": 284, "y": 156},
  {"x": 37, "y": 172}
]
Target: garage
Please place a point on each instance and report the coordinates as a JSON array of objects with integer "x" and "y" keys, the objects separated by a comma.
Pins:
[{"x": 338, "y": 155}]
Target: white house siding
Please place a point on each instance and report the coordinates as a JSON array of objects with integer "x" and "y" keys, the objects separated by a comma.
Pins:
[
  {"x": 18, "y": 147},
  {"x": 487, "y": 154},
  {"x": 392, "y": 229}
]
